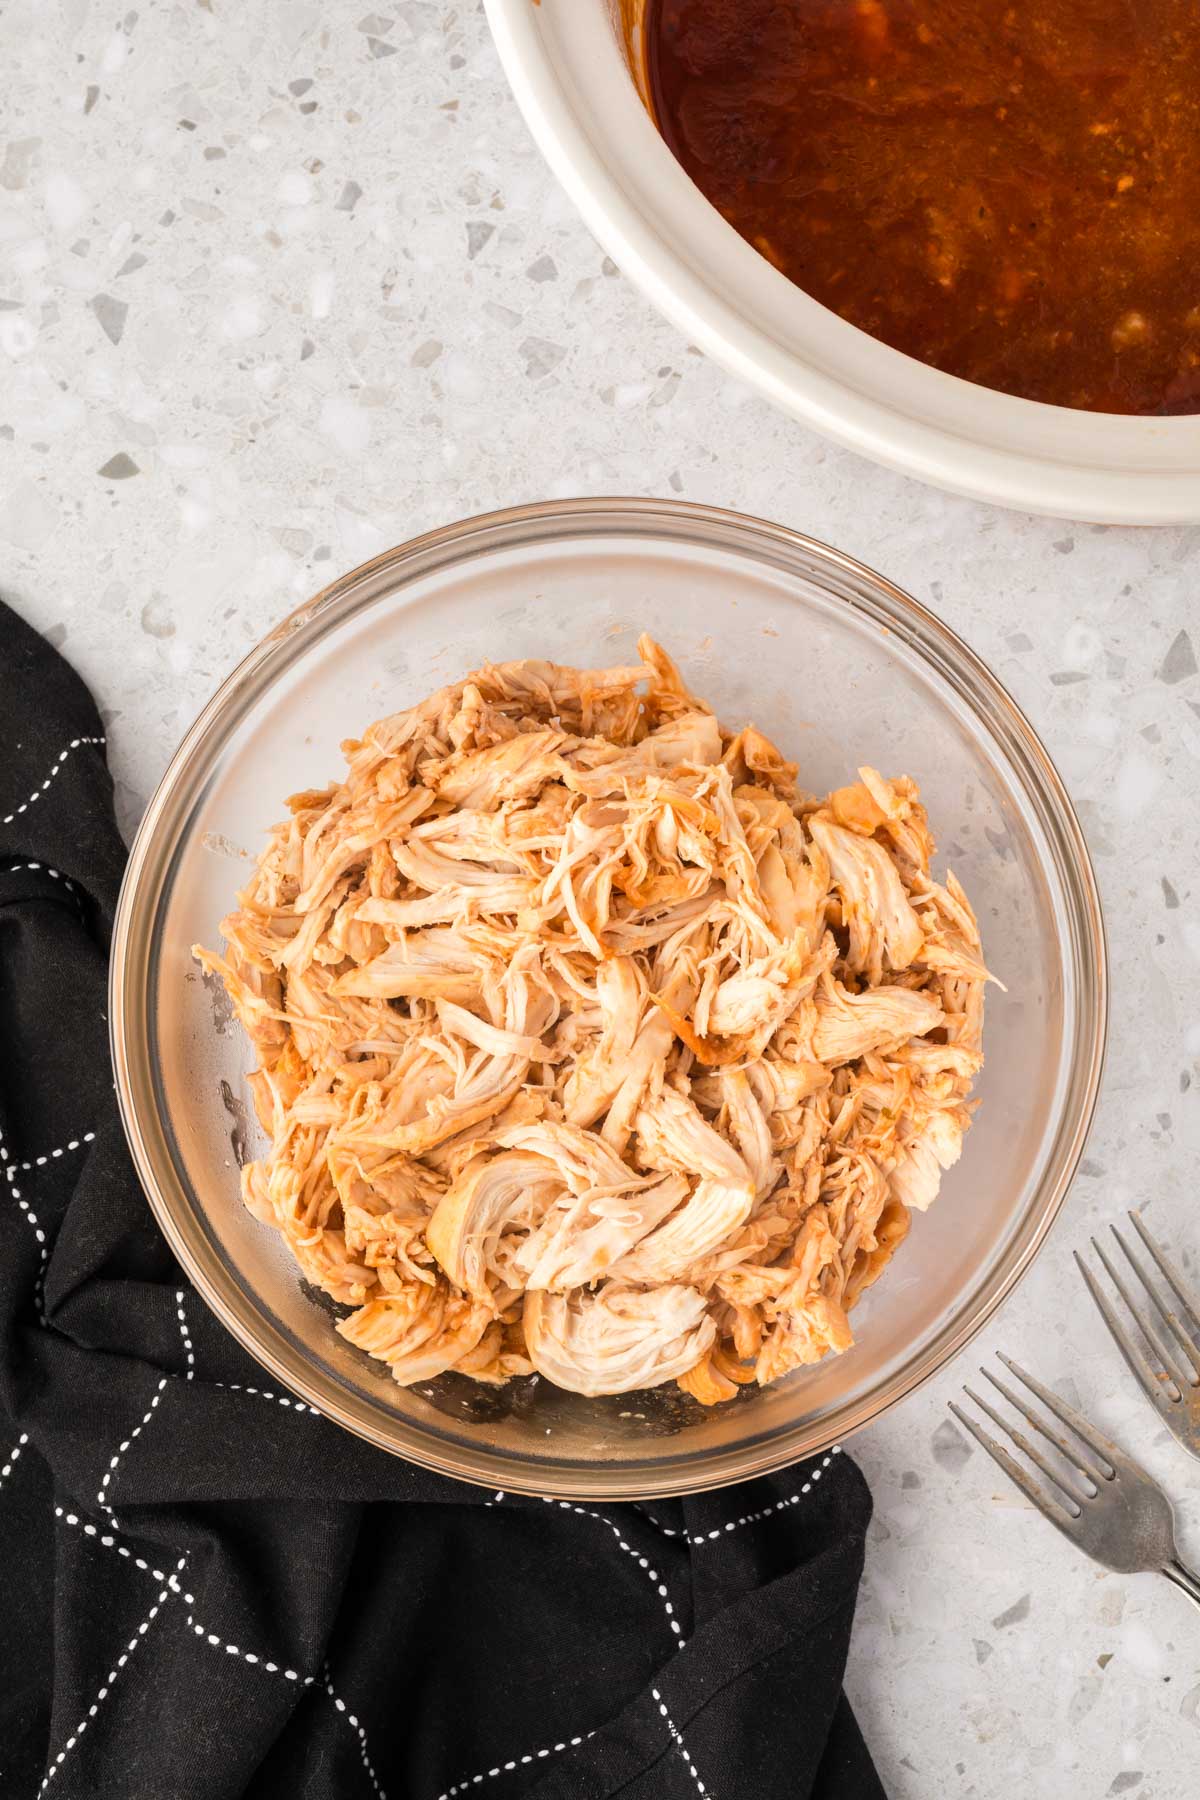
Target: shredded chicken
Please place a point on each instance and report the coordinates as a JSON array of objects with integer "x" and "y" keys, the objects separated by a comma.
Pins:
[{"x": 586, "y": 1046}]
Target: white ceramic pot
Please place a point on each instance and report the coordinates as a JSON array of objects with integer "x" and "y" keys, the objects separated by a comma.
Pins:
[{"x": 569, "y": 69}]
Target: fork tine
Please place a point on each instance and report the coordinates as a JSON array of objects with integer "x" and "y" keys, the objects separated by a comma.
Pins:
[
  {"x": 1045, "y": 1503},
  {"x": 1133, "y": 1356},
  {"x": 1077, "y": 1458},
  {"x": 1178, "y": 1342},
  {"x": 1022, "y": 1442},
  {"x": 1165, "y": 1263},
  {"x": 1106, "y": 1451}
]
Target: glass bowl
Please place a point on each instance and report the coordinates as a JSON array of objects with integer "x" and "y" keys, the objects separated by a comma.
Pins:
[{"x": 840, "y": 668}]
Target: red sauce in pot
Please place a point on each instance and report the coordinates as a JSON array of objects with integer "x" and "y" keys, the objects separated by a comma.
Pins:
[{"x": 1008, "y": 192}]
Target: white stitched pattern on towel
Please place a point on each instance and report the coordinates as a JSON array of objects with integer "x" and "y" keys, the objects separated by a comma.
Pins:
[
  {"x": 13, "y": 1457},
  {"x": 666, "y": 1530},
  {"x": 43, "y": 869},
  {"x": 38, "y": 1162},
  {"x": 100, "y": 1534},
  {"x": 530, "y": 1756},
  {"x": 122, "y": 1448},
  {"x": 352, "y": 1720},
  {"x": 75, "y": 744},
  {"x": 236, "y": 1387},
  {"x": 679, "y": 1743},
  {"x": 10, "y": 1173},
  {"x": 25, "y": 1207},
  {"x": 706, "y": 1537},
  {"x": 186, "y": 1335},
  {"x": 109, "y": 1540},
  {"x": 250, "y": 1656},
  {"x": 642, "y": 1562},
  {"x": 101, "y": 1696},
  {"x": 38, "y": 868}
]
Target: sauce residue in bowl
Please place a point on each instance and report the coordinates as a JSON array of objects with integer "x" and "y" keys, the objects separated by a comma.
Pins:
[{"x": 1010, "y": 193}]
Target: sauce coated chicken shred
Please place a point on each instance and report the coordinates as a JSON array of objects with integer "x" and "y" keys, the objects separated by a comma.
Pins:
[
  {"x": 1011, "y": 193},
  {"x": 586, "y": 1045}
]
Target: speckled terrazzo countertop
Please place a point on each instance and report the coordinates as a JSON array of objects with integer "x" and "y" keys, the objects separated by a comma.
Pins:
[{"x": 281, "y": 285}]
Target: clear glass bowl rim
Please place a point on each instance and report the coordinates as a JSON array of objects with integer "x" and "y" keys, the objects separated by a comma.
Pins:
[{"x": 149, "y": 867}]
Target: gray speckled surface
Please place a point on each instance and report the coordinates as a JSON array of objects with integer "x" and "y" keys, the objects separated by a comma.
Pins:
[{"x": 283, "y": 285}]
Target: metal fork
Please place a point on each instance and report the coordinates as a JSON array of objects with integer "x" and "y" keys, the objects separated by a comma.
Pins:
[
  {"x": 1110, "y": 1508},
  {"x": 1173, "y": 1388}
]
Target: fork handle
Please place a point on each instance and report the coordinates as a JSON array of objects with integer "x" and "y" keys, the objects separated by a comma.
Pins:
[{"x": 1183, "y": 1578}]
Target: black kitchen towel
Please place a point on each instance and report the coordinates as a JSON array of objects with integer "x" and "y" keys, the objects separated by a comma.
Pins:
[{"x": 210, "y": 1591}]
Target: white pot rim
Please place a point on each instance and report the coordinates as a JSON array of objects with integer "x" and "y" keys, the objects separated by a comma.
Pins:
[{"x": 568, "y": 75}]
